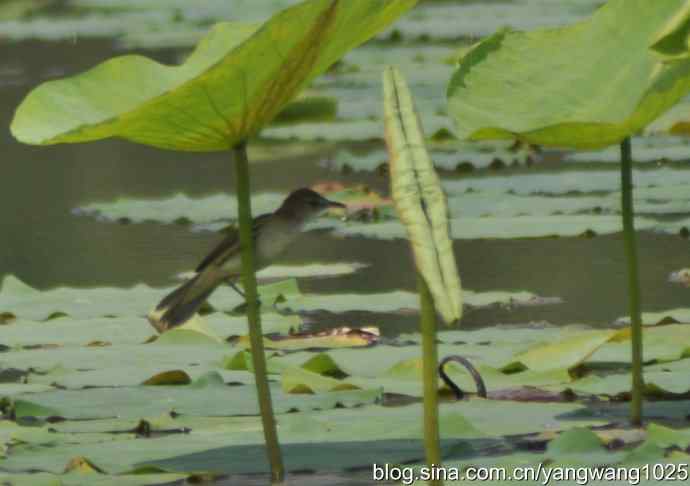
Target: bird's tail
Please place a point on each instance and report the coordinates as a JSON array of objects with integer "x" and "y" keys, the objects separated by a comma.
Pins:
[{"x": 181, "y": 304}]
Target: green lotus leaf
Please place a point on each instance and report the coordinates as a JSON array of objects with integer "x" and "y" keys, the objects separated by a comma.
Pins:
[
  {"x": 672, "y": 41},
  {"x": 617, "y": 86},
  {"x": 405, "y": 377},
  {"x": 564, "y": 354},
  {"x": 662, "y": 343},
  {"x": 310, "y": 441},
  {"x": 239, "y": 78},
  {"x": 660, "y": 382},
  {"x": 668, "y": 437},
  {"x": 142, "y": 401},
  {"x": 300, "y": 380}
]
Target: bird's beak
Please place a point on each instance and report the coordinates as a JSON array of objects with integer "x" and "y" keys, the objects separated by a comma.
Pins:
[{"x": 334, "y": 204}]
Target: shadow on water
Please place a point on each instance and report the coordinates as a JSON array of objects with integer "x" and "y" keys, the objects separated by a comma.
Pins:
[{"x": 46, "y": 246}]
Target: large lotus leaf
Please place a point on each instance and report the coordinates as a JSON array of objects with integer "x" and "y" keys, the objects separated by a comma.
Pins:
[
  {"x": 418, "y": 197},
  {"x": 672, "y": 39},
  {"x": 615, "y": 88},
  {"x": 235, "y": 82}
]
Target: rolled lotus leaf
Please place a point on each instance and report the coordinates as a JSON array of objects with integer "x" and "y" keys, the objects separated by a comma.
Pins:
[{"x": 418, "y": 197}]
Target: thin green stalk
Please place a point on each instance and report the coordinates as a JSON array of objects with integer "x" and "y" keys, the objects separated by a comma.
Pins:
[
  {"x": 432, "y": 437},
  {"x": 633, "y": 281},
  {"x": 253, "y": 316}
]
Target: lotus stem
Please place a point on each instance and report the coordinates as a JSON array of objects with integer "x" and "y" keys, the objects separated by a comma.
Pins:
[
  {"x": 476, "y": 376},
  {"x": 274, "y": 454},
  {"x": 633, "y": 281},
  {"x": 432, "y": 436}
]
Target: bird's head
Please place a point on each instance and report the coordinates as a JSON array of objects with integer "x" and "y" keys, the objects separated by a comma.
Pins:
[{"x": 305, "y": 204}]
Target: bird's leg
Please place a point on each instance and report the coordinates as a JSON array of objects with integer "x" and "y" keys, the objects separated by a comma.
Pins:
[{"x": 230, "y": 282}]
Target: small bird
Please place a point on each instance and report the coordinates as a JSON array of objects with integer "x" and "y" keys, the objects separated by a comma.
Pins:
[{"x": 272, "y": 233}]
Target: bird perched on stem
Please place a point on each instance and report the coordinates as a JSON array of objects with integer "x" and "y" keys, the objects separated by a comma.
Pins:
[{"x": 272, "y": 233}]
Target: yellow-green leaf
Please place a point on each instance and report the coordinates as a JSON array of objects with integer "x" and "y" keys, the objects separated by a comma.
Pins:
[
  {"x": 419, "y": 198},
  {"x": 587, "y": 85},
  {"x": 237, "y": 80}
]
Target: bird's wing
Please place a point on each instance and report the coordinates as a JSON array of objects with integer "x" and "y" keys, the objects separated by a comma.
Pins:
[{"x": 229, "y": 246}]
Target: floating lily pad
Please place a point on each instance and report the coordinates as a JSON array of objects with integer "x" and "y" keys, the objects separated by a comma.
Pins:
[
  {"x": 142, "y": 401},
  {"x": 396, "y": 301},
  {"x": 452, "y": 20},
  {"x": 67, "y": 331},
  {"x": 467, "y": 157},
  {"x": 660, "y": 381},
  {"x": 662, "y": 343},
  {"x": 522, "y": 227},
  {"x": 341, "y": 432},
  {"x": 23, "y": 301},
  {"x": 681, "y": 315},
  {"x": 563, "y": 354},
  {"x": 94, "y": 24},
  {"x": 176, "y": 208},
  {"x": 26, "y": 302},
  {"x": 645, "y": 149},
  {"x": 558, "y": 183}
]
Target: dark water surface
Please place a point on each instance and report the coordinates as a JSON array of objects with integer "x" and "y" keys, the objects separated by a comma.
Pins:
[{"x": 45, "y": 245}]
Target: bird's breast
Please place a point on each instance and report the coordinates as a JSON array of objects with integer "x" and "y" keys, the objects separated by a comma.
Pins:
[
  {"x": 273, "y": 241},
  {"x": 270, "y": 243}
]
